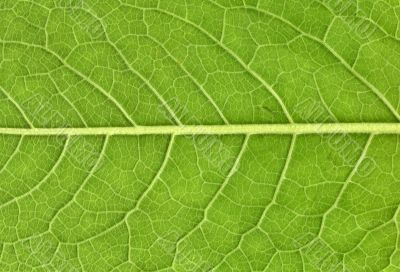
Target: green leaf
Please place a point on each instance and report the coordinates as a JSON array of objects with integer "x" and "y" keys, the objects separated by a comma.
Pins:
[{"x": 225, "y": 135}]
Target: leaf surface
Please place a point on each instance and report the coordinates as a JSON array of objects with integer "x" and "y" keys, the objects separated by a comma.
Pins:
[{"x": 199, "y": 135}]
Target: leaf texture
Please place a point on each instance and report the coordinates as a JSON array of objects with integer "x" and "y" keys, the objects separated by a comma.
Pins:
[{"x": 224, "y": 135}]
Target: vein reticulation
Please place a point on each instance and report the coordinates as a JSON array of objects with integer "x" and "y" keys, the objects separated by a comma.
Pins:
[{"x": 199, "y": 135}]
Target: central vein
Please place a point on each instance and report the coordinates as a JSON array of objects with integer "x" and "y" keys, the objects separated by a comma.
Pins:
[{"x": 365, "y": 128}]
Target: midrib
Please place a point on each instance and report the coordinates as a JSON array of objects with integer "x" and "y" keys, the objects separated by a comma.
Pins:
[{"x": 331, "y": 128}]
